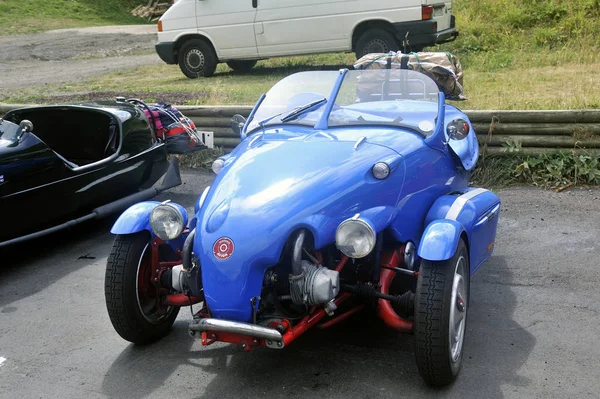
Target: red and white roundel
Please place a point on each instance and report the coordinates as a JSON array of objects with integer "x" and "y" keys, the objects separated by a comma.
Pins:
[{"x": 223, "y": 248}]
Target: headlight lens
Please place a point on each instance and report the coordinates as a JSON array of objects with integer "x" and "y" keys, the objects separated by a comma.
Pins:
[
  {"x": 355, "y": 238},
  {"x": 166, "y": 222}
]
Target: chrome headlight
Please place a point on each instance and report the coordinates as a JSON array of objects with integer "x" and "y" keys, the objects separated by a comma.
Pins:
[
  {"x": 355, "y": 238},
  {"x": 167, "y": 221}
]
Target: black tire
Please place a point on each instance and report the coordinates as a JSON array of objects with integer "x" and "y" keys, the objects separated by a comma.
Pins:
[
  {"x": 197, "y": 58},
  {"x": 438, "y": 349},
  {"x": 375, "y": 41},
  {"x": 241, "y": 65},
  {"x": 129, "y": 255}
]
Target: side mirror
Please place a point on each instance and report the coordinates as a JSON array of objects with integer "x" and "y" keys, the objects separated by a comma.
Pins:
[
  {"x": 237, "y": 124},
  {"x": 24, "y": 126}
]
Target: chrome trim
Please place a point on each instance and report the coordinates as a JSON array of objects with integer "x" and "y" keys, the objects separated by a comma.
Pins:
[
  {"x": 235, "y": 327},
  {"x": 460, "y": 202},
  {"x": 359, "y": 142}
]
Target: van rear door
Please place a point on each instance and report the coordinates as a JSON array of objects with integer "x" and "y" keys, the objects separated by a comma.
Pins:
[{"x": 230, "y": 26}]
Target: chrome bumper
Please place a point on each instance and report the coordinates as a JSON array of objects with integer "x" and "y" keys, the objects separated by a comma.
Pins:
[{"x": 273, "y": 338}]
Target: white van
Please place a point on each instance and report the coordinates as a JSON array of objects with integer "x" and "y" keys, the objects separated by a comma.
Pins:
[{"x": 198, "y": 34}]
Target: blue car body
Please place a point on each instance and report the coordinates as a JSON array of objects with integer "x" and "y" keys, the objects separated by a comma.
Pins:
[{"x": 313, "y": 174}]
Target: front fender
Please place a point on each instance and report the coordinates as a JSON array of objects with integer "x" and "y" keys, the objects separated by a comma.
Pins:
[
  {"x": 136, "y": 218},
  {"x": 440, "y": 240}
]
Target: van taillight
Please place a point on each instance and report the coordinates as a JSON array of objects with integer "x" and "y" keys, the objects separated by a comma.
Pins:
[
  {"x": 160, "y": 26},
  {"x": 426, "y": 12}
]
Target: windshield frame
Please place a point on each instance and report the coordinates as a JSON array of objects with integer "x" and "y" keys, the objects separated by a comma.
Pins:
[{"x": 323, "y": 121}]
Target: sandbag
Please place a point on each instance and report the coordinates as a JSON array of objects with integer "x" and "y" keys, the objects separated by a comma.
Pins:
[{"x": 443, "y": 68}]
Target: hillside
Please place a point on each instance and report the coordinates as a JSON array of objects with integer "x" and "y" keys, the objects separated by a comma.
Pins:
[{"x": 26, "y": 16}]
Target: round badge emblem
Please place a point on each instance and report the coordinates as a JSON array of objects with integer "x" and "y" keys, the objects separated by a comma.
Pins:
[{"x": 223, "y": 248}]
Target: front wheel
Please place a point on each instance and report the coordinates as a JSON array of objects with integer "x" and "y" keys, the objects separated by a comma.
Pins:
[
  {"x": 197, "y": 58},
  {"x": 441, "y": 303},
  {"x": 133, "y": 302}
]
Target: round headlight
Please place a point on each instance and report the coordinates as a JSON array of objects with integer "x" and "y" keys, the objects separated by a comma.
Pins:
[
  {"x": 355, "y": 238},
  {"x": 166, "y": 221},
  {"x": 217, "y": 166},
  {"x": 381, "y": 170},
  {"x": 458, "y": 129}
]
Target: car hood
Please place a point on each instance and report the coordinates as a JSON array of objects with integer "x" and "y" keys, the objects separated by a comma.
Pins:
[{"x": 266, "y": 191}]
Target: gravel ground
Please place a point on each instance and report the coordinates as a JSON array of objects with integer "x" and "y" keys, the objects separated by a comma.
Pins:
[
  {"x": 532, "y": 331},
  {"x": 71, "y": 54}
]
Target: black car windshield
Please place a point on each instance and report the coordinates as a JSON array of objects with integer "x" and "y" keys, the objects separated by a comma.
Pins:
[
  {"x": 8, "y": 130},
  {"x": 387, "y": 97}
]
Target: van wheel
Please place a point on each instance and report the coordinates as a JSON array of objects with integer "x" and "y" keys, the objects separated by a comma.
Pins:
[
  {"x": 241, "y": 65},
  {"x": 375, "y": 41},
  {"x": 197, "y": 58}
]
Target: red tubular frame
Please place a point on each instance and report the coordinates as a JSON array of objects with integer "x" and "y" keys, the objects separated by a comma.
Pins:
[
  {"x": 391, "y": 258},
  {"x": 341, "y": 317}
]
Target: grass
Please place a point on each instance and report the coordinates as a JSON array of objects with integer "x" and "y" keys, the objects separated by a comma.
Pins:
[
  {"x": 542, "y": 54},
  {"x": 28, "y": 16}
]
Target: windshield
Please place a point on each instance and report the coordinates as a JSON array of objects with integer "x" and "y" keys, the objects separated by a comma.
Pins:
[
  {"x": 390, "y": 97},
  {"x": 8, "y": 130}
]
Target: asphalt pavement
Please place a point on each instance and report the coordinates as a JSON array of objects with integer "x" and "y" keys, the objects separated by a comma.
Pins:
[{"x": 533, "y": 328}]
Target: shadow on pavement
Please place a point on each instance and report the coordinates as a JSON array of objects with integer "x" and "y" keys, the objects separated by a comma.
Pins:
[{"x": 360, "y": 358}]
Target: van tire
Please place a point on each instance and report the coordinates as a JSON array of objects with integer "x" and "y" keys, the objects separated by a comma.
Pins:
[
  {"x": 241, "y": 65},
  {"x": 197, "y": 58},
  {"x": 375, "y": 41}
]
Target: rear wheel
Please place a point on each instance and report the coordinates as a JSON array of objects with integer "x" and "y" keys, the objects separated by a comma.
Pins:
[
  {"x": 375, "y": 41},
  {"x": 241, "y": 65},
  {"x": 133, "y": 303},
  {"x": 441, "y": 317},
  {"x": 197, "y": 58}
]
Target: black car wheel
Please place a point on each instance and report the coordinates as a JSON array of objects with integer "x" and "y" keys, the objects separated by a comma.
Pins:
[
  {"x": 197, "y": 58},
  {"x": 375, "y": 41},
  {"x": 132, "y": 302},
  {"x": 441, "y": 317},
  {"x": 241, "y": 65}
]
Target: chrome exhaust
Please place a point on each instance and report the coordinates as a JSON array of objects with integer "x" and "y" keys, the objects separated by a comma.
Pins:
[{"x": 272, "y": 336}]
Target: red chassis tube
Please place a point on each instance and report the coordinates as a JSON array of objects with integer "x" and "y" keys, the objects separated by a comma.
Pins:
[
  {"x": 158, "y": 268},
  {"x": 391, "y": 258}
]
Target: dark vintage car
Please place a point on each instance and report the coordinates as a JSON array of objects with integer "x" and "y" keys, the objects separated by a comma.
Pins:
[{"x": 65, "y": 164}]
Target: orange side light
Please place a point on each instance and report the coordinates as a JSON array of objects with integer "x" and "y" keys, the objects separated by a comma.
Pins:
[
  {"x": 426, "y": 12},
  {"x": 160, "y": 29}
]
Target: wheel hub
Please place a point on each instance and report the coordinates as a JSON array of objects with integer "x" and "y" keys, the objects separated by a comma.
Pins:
[
  {"x": 195, "y": 59},
  {"x": 377, "y": 46}
]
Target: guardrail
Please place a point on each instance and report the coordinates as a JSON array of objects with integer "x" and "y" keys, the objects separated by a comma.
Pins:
[{"x": 532, "y": 131}]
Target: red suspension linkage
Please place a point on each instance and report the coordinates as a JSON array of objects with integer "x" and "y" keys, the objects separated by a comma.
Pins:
[
  {"x": 341, "y": 317},
  {"x": 391, "y": 258}
]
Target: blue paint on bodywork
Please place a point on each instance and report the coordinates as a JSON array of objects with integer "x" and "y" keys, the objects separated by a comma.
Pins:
[
  {"x": 440, "y": 240},
  {"x": 296, "y": 175},
  {"x": 135, "y": 218}
]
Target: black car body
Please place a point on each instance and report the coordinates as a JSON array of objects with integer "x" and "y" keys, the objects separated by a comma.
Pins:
[{"x": 71, "y": 163}]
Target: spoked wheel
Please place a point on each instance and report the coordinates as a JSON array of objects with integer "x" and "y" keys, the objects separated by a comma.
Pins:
[
  {"x": 134, "y": 305},
  {"x": 441, "y": 304}
]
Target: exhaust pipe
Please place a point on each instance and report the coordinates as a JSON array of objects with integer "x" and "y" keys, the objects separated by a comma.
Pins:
[{"x": 235, "y": 327}]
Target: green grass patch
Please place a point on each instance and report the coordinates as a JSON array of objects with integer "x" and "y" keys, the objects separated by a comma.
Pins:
[
  {"x": 548, "y": 170},
  {"x": 27, "y": 16}
]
